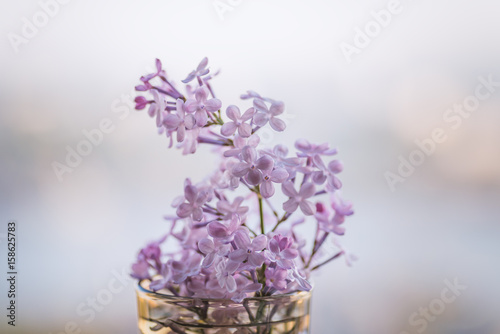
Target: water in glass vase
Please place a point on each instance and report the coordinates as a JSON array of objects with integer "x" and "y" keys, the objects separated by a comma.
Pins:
[{"x": 161, "y": 313}]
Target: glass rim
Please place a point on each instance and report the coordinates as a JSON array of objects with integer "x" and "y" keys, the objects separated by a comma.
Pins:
[{"x": 276, "y": 297}]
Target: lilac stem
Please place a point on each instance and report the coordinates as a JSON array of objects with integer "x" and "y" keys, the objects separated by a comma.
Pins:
[
  {"x": 212, "y": 141},
  {"x": 283, "y": 219},
  {"x": 179, "y": 95},
  {"x": 315, "y": 249},
  {"x": 217, "y": 135},
  {"x": 318, "y": 245},
  {"x": 255, "y": 129},
  {"x": 302, "y": 257},
  {"x": 254, "y": 277},
  {"x": 271, "y": 207},
  {"x": 327, "y": 261},
  {"x": 320, "y": 193},
  {"x": 210, "y": 89}
]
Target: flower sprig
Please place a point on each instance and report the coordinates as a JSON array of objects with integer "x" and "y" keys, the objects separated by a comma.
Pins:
[{"x": 234, "y": 231}]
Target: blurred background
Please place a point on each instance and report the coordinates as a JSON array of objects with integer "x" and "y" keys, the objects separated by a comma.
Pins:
[{"x": 77, "y": 66}]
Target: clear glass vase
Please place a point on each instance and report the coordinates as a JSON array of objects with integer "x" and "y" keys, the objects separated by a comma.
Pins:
[{"x": 279, "y": 314}]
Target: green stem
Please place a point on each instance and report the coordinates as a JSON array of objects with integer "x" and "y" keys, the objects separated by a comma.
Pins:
[
  {"x": 314, "y": 249},
  {"x": 251, "y": 231},
  {"x": 261, "y": 212},
  {"x": 286, "y": 215}
]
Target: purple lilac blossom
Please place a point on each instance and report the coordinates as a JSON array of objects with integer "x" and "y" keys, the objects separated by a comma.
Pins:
[
  {"x": 237, "y": 122},
  {"x": 251, "y": 167},
  {"x": 235, "y": 235},
  {"x": 265, "y": 114},
  {"x": 299, "y": 198}
]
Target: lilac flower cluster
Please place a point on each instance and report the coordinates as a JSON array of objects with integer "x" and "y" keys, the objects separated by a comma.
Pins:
[{"x": 232, "y": 241}]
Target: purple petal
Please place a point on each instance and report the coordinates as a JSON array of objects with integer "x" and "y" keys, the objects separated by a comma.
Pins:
[
  {"x": 157, "y": 284},
  {"x": 335, "y": 166},
  {"x": 172, "y": 121},
  {"x": 319, "y": 162},
  {"x": 141, "y": 102},
  {"x": 206, "y": 246},
  {"x": 148, "y": 77},
  {"x": 203, "y": 63},
  {"x": 241, "y": 169},
  {"x": 233, "y": 112},
  {"x": 158, "y": 65},
  {"x": 184, "y": 210},
  {"x": 280, "y": 150},
  {"x": 238, "y": 255},
  {"x": 279, "y": 175},
  {"x": 285, "y": 264},
  {"x": 256, "y": 259},
  {"x": 289, "y": 254},
  {"x": 152, "y": 110},
  {"x": 249, "y": 154},
  {"x": 280, "y": 274},
  {"x": 237, "y": 202},
  {"x": 280, "y": 285},
  {"x": 203, "y": 72},
  {"x": 254, "y": 177},
  {"x": 260, "y": 105},
  {"x": 338, "y": 230},
  {"x": 304, "y": 284},
  {"x": 201, "y": 94},
  {"x": 217, "y": 230},
  {"x": 248, "y": 114},
  {"x": 224, "y": 206},
  {"x": 302, "y": 145},
  {"x": 259, "y": 243},
  {"x": 254, "y": 140},
  {"x": 242, "y": 239},
  {"x": 290, "y": 206},
  {"x": 190, "y": 77},
  {"x": 335, "y": 182},
  {"x": 289, "y": 189},
  {"x": 231, "y": 284},
  {"x": 181, "y": 134},
  {"x": 213, "y": 105},
  {"x": 244, "y": 130},
  {"x": 232, "y": 266},
  {"x": 140, "y": 270},
  {"x": 201, "y": 118},
  {"x": 277, "y": 108},
  {"x": 274, "y": 246},
  {"x": 308, "y": 208},
  {"x": 189, "y": 121},
  {"x": 319, "y": 177},
  {"x": 141, "y": 88},
  {"x": 267, "y": 189},
  {"x": 228, "y": 129},
  {"x": 208, "y": 260},
  {"x": 179, "y": 107},
  {"x": 307, "y": 190},
  {"x": 159, "y": 118},
  {"x": 190, "y": 106},
  {"x": 277, "y": 124},
  {"x": 190, "y": 193},
  {"x": 253, "y": 287},
  {"x": 197, "y": 214},
  {"x": 265, "y": 163},
  {"x": 260, "y": 119},
  {"x": 284, "y": 243}
]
